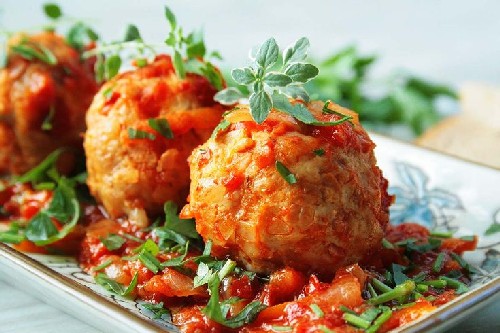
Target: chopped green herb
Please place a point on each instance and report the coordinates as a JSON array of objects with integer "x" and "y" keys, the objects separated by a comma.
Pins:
[
  {"x": 371, "y": 290},
  {"x": 438, "y": 263},
  {"x": 157, "y": 310},
  {"x": 31, "y": 51},
  {"x": 356, "y": 321},
  {"x": 325, "y": 329},
  {"x": 386, "y": 314},
  {"x": 370, "y": 314},
  {"x": 380, "y": 286},
  {"x": 115, "y": 287},
  {"x": 281, "y": 328},
  {"x": 12, "y": 236},
  {"x": 469, "y": 238},
  {"x": 161, "y": 126},
  {"x": 441, "y": 234},
  {"x": 285, "y": 173},
  {"x": 148, "y": 246},
  {"x": 399, "y": 292},
  {"x": 345, "y": 309},
  {"x": 138, "y": 134},
  {"x": 47, "y": 122},
  {"x": 220, "y": 127},
  {"x": 459, "y": 287},
  {"x": 422, "y": 288},
  {"x": 440, "y": 284},
  {"x": 108, "y": 93},
  {"x": 113, "y": 242},
  {"x": 319, "y": 152},
  {"x": 103, "y": 265},
  {"x": 109, "y": 284},
  {"x": 464, "y": 264},
  {"x": 398, "y": 276},
  {"x": 149, "y": 260},
  {"x": 215, "y": 311},
  {"x": 38, "y": 173},
  {"x": 131, "y": 286},
  {"x": 386, "y": 244},
  {"x": 317, "y": 310}
]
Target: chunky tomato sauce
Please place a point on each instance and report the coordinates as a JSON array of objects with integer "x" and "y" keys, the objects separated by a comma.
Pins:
[{"x": 294, "y": 301}]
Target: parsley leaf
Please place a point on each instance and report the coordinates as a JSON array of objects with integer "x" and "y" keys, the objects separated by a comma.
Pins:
[
  {"x": 161, "y": 126},
  {"x": 113, "y": 242},
  {"x": 285, "y": 173}
]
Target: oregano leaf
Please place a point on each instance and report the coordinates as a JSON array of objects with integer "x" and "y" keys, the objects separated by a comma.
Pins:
[
  {"x": 297, "y": 52},
  {"x": 267, "y": 54},
  {"x": 301, "y": 72},
  {"x": 260, "y": 106},
  {"x": 243, "y": 76}
]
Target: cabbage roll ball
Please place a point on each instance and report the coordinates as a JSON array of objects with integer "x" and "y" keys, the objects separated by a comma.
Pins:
[
  {"x": 134, "y": 165},
  {"x": 326, "y": 209},
  {"x": 42, "y": 101}
]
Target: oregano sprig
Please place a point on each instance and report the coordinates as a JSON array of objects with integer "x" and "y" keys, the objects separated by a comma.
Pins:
[
  {"x": 190, "y": 53},
  {"x": 272, "y": 82}
]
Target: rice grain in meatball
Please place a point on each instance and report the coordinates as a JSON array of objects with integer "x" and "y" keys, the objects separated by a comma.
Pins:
[
  {"x": 334, "y": 214},
  {"x": 33, "y": 92},
  {"x": 134, "y": 175}
]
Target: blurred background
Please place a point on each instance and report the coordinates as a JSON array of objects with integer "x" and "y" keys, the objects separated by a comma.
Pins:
[{"x": 398, "y": 63}]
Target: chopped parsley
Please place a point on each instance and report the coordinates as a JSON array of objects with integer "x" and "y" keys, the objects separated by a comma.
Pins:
[{"x": 285, "y": 173}]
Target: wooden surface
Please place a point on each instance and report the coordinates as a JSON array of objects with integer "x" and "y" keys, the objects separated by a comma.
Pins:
[{"x": 473, "y": 134}]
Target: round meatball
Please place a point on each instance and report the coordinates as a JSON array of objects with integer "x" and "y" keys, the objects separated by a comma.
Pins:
[
  {"x": 133, "y": 169},
  {"x": 327, "y": 208},
  {"x": 42, "y": 105}
]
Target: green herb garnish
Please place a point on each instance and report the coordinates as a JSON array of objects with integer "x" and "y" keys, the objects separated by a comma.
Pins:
[
  {"x": 285, "y": 173},
  {"x": 319, "y": 152},
  {"x": 438, "y": 263},
  {"x": 134, "y": 133},
  {"x": 162, "y": 127},
  {"x": 47, "y": 122},
  {"x": 31, "y": 51},
  {"x": 317, "y": 310},
  {"x": 157, "y": 310},
  {"x": 356, "y": 321},
  {"x": 113, "y": 242},
  {"x": 102, "y": 266},
  {"x": 399, "y": 292},
  {"x": 220, "y": 127},
  {"x": 115, "y": 287}
]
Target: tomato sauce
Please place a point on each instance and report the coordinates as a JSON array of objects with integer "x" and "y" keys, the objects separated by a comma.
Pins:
[{"x": 294, "y": 301}]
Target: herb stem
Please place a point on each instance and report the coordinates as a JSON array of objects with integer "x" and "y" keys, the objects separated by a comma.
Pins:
[
  {"x": 356, "y": 321},
  {"x": 399, "y": 292},
  {"x": 434, "y": 283},
  {"x": 380, "y": 321},
  {"x": 439, "y": 263},
  {"x": 117, "y": 47},
  {"x": 380, "y": 286}
]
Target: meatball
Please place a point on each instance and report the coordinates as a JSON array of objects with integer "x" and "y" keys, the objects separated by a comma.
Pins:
[
  {"x": 42, "y": 105},
  {"x": 134, "y": 175},
  {"x": 333, "y": 215}
]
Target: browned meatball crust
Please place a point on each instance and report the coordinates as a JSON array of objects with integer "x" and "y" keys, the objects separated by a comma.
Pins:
[
  {"x": 334, "y": 214},
  {"x": 32, "y": 91},
  {"x": 136, "y": 176}
]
